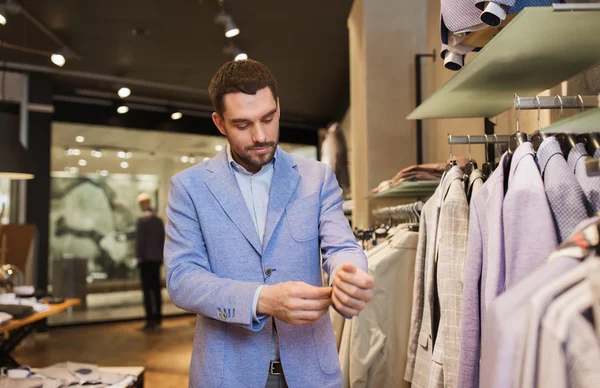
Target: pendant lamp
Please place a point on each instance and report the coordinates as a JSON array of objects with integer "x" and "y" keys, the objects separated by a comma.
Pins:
[{"x": 15, "y": 162}]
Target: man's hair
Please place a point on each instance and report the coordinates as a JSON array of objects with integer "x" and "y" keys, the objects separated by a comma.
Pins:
[{"x": 246, "y": 76}]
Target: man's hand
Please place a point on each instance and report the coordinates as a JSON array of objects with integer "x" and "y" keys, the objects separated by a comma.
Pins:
[
  {"x": 296, "y": 303},
  {"x": 352, "y": 290}
]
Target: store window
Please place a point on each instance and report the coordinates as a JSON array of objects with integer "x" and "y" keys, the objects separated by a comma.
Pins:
[{"x": 97, "y": 173}]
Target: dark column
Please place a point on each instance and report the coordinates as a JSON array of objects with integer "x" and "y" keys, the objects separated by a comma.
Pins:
[{"x": 38, "y": 189}]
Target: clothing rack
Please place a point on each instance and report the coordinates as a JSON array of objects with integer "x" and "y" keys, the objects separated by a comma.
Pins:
[
  {"x": 478, "y": 139},
  {"x": 555, "y": 102},
  {"x": 411, "y": 212}
]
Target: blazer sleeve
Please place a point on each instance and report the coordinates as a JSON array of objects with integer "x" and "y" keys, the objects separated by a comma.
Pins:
[
  {"x": 338, "y": 244},
  {"x": 190, "y": 282},
  {"x": 470, "y": 322}
]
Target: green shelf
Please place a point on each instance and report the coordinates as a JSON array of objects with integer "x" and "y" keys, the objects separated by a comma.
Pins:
[
  {"x": 408, "y": 190},
  {"x": 538, "y": 50},
  {"x": 588, "y": 121}
]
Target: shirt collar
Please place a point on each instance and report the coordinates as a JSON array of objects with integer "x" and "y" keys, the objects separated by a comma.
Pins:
[{"x": 235, "y": 166}]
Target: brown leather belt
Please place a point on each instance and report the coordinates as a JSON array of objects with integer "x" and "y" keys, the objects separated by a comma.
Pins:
[{"x": 275, "y": 369}]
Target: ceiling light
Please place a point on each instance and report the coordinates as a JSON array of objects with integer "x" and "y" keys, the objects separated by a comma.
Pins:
[
  {"x": 73, "y": 170},
  {"x": 122, "y": 154},
  {"x": 76, "y": 151},
  {"x": 79, "y": 139},
  {"x": 104, "y": 172},
  {"x": 205, "y": 159},
  {"x": 218, "y": 148},
  {"x": 124, "y": 92},
  {"x": 2, "y": 15},
  {"x": 235, "y": 52},
  {"x": 58, "y": 59},
  {"x": 82, "y": 162},
  {"x": 184, "y": 159},
  {"x": 128, "y": 155},
  {"x": 124, "y": 164},
  {"x": 241, "y": 57},
  {"x": 192, "y": 160},
  {"x": 96, "y": 153},
  {"x": 176, "y": 115},
  {"x": 231, "y": 29},
  {"x": 122, "y": 109}
]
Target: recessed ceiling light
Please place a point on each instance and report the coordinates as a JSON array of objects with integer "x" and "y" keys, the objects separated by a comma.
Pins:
[
  {"x": 73, "y": 170},
  {"x": 192, "y": 160},
  {"x": 96, "y": 153},
  {"x": 124, "y": 92},
  {"x": 122, "y": 109},
  {"x": 2, "y": 20},
  {"x": 218, "y": 148},
  {"x": 205, "y": 159},
  {"x": 176, "y": 115},
  {"x": 184, "y": 159},
  {"x": 129, "y": 155},
  {"x": 58, "y": 59},
  {"x": 124, "y": 164},
  {"x": 82, "y": 162},
  {"x": 79, "y": 139},
  {"x": 241, "y": 57},
  {"x": 104, "y": 172}
]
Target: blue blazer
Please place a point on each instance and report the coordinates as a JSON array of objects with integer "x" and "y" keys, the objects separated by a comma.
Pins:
[{"x": 215, "y": 262}]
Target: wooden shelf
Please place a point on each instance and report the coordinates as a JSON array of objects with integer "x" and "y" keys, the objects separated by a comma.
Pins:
[
  {"x": 536, "y": 51},
  {"x": 408, "y": 190}
]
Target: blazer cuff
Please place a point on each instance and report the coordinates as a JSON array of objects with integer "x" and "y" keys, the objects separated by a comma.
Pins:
[{"x": 257, "y": 317}]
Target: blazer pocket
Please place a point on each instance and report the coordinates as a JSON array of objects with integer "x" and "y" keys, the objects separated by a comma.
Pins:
[
  {"x": 303, "y": 218},
  {"x": 327, "y": 353}
]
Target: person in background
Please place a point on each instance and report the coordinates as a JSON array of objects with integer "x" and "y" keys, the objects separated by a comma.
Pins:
[{"x": 149, "y": 250}]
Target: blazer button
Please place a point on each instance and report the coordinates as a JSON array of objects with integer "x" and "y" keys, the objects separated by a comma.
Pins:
[{"x": 268, "y": 271}]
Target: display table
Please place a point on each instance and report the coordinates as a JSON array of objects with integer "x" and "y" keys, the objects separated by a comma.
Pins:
[{"x": 13, "y": 332}]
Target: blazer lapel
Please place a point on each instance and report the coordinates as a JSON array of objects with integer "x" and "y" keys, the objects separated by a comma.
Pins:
[
  {"x": 225, "y": 189},
  {"x": 285, "y": 180}
]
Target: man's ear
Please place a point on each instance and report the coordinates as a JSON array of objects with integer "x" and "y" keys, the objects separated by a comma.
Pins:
[{"x": 220, "y": 123}]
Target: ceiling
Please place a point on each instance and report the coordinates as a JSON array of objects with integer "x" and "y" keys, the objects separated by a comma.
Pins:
[
  {"x": 304, "y": 43},
  {"x": 168, "y": 148}
]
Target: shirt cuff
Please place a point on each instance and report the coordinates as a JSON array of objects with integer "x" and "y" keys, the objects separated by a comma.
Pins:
[{"x": 255, "y": 316}]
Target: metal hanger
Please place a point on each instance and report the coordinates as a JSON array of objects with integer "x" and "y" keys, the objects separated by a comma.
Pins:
[
  {"x": 471, "y": 165},
  {"x": 519, "y": 137},
  {"x": 590, "y": 140},
  {"x": 568, "y": 140},
  {"x": 452, "y": 161},
  {"x": 539, "y": 136},
  {"x": 486, "y": 168}
]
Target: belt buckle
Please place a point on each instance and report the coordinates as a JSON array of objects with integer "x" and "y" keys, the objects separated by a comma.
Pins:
[{"x": 272, "y": 369}]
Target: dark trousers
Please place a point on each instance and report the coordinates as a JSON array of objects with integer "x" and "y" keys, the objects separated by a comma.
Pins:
[{"x": 150, "y": 274}]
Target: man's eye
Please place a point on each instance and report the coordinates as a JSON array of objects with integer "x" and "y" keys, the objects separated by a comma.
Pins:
[
  {"x": 268, "y": 120},
  {"x": 243, "y": 126}
]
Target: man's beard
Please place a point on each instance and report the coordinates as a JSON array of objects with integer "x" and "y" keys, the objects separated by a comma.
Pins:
[{"x": 258, "y": 160}]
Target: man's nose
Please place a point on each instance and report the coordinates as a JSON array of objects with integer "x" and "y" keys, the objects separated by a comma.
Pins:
[{"x": 259, "y": 135}]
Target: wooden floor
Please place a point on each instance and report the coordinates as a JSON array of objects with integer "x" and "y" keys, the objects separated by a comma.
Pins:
[{"x": 165, "y": 355}]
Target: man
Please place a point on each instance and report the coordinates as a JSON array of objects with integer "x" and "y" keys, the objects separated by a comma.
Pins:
[
  {"x": 150, "y": 239},
  {"x": 244, "y": 236}
]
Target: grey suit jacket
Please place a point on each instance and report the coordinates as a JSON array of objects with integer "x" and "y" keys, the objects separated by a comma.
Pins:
[
  {"x": 424, "y": 259},
  {"x": 436, "y": 358}
]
